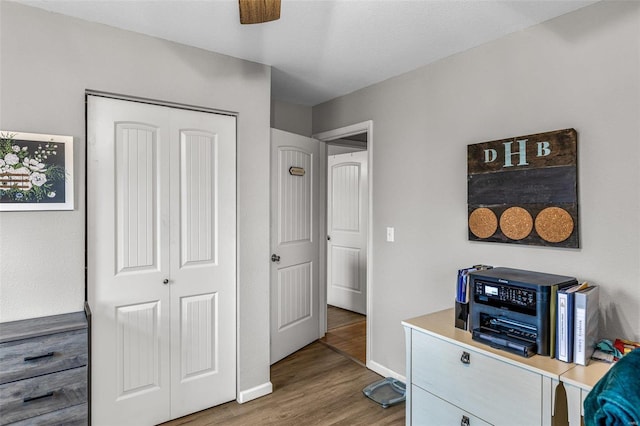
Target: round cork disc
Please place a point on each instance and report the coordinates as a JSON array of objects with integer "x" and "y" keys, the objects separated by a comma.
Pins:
[
  {"x": 516, "y": 223},
  {"x": 554, "y": 224},
  {"x": 483, "y": 223}
]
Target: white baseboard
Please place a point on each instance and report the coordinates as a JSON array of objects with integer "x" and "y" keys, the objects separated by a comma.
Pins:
[
  {"x": 254, "y": 393},
  {"x": 385, "y": 372}
]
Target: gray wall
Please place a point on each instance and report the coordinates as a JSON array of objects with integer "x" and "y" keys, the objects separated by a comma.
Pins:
[
  {"x": 580, "y": 70},
  {"x": 48, "y": 60},
  {"x": 291, "y": 118}
]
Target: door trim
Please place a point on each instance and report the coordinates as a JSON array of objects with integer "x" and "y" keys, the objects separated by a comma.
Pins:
[
  {"x": 175, "y": 105},
  {"x": 327, "y": 136}
]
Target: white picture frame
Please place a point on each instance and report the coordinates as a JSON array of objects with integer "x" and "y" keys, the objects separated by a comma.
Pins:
[{"x": 36, "y": 172}]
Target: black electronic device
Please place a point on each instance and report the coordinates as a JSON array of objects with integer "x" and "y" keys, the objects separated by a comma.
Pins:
[{"x": 511, "y": 308}]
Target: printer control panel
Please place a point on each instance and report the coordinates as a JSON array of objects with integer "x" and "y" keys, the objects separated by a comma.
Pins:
[{"x": 505, "y": 296}]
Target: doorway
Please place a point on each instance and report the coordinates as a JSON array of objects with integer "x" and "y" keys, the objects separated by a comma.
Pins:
[
  {"x": 346, "y": 333},
  {"x": 345, "y": 298}
]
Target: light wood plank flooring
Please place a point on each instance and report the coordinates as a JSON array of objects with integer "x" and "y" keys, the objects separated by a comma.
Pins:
[
  {"x": 346, "y": 333},
  {"x": 314, "y": 386}
]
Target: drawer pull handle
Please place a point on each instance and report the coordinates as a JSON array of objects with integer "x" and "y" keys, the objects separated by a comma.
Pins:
[
  {"x": 465, "y": 421},
  {"x": 465, "y": 358},
  {"x": 33, "y": 398},
  {"x": 36, "y": 357}
]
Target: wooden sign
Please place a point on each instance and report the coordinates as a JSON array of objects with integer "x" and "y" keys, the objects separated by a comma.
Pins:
[
  {"x": 523, "y": 190},
  {"x": 296, "y": 171}
]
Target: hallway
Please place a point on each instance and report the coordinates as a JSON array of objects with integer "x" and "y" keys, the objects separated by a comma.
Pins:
[{"x": 346, "y": 333}]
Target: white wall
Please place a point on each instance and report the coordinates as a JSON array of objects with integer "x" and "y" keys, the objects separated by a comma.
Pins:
[
  {"x": 580, "y": 70},
  {"x": 48, "y": 60}
]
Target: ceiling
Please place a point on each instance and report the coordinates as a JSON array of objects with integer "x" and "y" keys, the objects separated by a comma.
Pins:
[{"x": 322, "y": 49}]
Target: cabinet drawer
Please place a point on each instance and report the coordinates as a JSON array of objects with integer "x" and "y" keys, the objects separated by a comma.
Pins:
[
  {"x": 21, "y": 359},
  {"x": 486, "y": 387},
  {"x": 78, "y": 415},
  {"x": 44, "y": 394},
  {"x": 427, "y": 409}
]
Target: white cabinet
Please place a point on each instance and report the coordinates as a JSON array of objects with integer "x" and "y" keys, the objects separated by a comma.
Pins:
[
  {"x": 454, "y": 380},
  {"x": 578, "y": 382},
  {"x": 478, "y": 383}
]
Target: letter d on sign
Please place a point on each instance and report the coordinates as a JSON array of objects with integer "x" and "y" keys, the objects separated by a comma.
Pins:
[{"x": 490, "y": 155}]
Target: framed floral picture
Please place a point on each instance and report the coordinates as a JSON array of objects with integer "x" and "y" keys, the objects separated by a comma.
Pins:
[{"x": 36, "y": 171}]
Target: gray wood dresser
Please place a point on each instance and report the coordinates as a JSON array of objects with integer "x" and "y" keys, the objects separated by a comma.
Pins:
[{"x": 43, "y": 370}]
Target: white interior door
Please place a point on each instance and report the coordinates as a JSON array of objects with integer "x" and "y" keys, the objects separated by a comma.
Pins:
[
  {"x": 347, "y": 204},
  {"x": 294, "y": 240},
  {"x": 161, "y": 260}
]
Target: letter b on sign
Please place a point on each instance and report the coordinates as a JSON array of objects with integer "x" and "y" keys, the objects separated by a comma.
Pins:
[{"x": 543, "y": 149}]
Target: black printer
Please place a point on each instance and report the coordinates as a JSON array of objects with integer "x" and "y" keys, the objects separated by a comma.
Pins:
[{"x": 511, "y": 308}]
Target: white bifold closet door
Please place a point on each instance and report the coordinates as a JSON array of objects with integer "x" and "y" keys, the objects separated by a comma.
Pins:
[{"x": 161, "y": 258}]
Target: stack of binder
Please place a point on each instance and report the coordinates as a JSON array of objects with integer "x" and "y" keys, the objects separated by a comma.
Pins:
[
  {"x": 463, "y": 296},
  {"x": 577, "y": 323}
]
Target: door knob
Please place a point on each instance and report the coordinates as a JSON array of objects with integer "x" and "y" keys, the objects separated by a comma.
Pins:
[
  {"x": 328, "y": 237},
  {"x": 165, "y": 281},
  {"x": 275, "y": 258}
]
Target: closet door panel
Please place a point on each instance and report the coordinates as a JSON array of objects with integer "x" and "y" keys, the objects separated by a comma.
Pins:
[
  {"x": 128, "y": 249},
  {"x": 203, "y": 261},
  {"x": 136, "y": 208},
  {"x": 198, "y": 189}
]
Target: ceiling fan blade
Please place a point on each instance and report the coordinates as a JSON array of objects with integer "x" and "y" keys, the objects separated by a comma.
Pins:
[{"x": 259, "y": 11}]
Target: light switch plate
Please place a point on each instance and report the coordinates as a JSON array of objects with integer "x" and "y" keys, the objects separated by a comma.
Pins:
[{"x": 390, "y": 234}]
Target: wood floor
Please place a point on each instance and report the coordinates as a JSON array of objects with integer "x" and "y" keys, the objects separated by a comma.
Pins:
[
  {"x": 337, "y": 317},
  {"x": 314, "y": 386},
  {"x": 346, "y": 333}
]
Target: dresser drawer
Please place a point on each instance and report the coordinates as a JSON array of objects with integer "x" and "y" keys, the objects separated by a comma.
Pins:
[
  {"x": 431, "y": 410},
  {"x": 70, "y": 416},
  {"x": 21, "y": 359},
  {"x": 44, "y": 394},
  {"x": 484, "y": 386}
]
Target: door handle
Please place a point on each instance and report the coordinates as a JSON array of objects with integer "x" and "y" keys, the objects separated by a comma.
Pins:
[
  {"x": 328, "y": 237},
  {"x": 165, "y": 281},
  {"x": 275, "y": 258}
]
